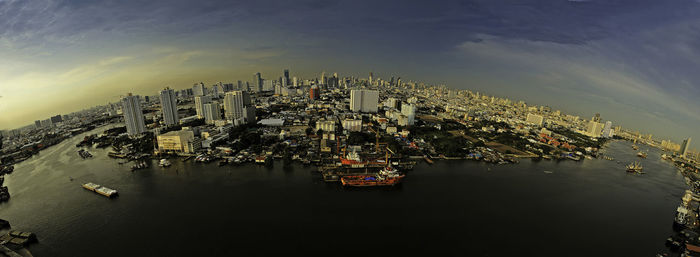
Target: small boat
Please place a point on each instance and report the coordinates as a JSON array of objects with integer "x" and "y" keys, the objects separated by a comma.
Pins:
[
  {"x": 139, "y": 166},
  {"x": 108, "y": 192},
  {"x": 428, "y": 160},
  {"x": 634, "y": 167},
  {"x": 642, "y": 154},
  {"x": 164, "y": 163}
]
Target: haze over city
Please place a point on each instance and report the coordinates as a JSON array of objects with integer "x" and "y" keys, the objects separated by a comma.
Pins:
[{"x": 635, "y": 62}]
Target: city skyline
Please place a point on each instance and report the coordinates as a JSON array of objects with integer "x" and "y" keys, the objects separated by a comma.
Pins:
[{"x": 599, "y": 61}]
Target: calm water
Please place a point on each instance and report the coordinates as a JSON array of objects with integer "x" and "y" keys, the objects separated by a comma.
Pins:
[{"x": 455, "y": 208}]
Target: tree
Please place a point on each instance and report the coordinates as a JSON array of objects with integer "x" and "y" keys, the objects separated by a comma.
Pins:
[{"x": 319, "y": 132}]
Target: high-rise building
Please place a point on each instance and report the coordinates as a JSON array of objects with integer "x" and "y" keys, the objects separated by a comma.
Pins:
[
  {"x": 314, "y": 92},
  {"x": 212, "y": 112},
  {"x": 37, "y": 123},
  {"x": 371, "y": 77},
  {"x": 286, "y": 77},
  {"x": 608, "y": 130},
  {"x": 409, "y": 111},
  {"x": 235, "y": 103},
  {"x": 684, "y": 147},
  {"x": 595, "y": 129},
  {"x": 198, "y": 89},
  {"x": 364, "y": 100},
  {"x": 257, "y": 82},
  {"x": 596, "y": 118},
  {"x": 168, "y": 103},
  {"x": 199, "y": 102},
  {"x": 133, "y": 115}
]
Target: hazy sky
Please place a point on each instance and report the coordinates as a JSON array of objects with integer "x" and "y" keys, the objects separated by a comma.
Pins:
[{"x": 637, "y": 62}]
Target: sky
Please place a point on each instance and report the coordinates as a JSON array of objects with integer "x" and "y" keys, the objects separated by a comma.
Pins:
[{"x": 634, "y": 61}]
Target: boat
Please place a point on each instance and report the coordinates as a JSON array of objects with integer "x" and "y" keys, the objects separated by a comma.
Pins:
[
  {"x": 164, "y": 163},
  {"x": 108, "y": 192},
  {"x": 84, "y": 154},
  {"x": 139, "y": 166},
  {"x": 385, "y": 177},
  {"x": 354, "y": 160},
  {"x": 634, "y": 167},
  {"x": 428, "y": 160},
  {"x": 635, "y": 147},
  {"x": 642, "y": 154}
]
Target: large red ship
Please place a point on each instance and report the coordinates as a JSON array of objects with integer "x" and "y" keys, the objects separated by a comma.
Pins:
[
  {"x": 353, "y": 159},
  {"x": 385, "y": 177}
]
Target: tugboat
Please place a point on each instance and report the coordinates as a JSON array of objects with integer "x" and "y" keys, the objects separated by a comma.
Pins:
[
  {"x": 385, "y": 177},
  {"x": 634, "y": 167},
  {"x": 164, "y": 163},
  {"x": 642, "y": 155},
  {"x": 84, "y": 154}
]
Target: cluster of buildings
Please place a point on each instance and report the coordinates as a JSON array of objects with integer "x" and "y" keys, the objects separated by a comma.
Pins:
[{"x": 331, "y": 106}]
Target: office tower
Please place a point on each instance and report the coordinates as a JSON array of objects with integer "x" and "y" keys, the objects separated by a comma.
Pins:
[
  {"x": 607, "y": 130},
  {"x": 534, "y": 119},
  {"x": 323, "y": 78},
  {"x": 228, "y": 87},
  {"x": 46, "y": 123},
  {"x": 217, "y": 89},
  {"x": 133, "y": 115},
  {"x": 314, "y": 92},
  {"x": 234, "y": 104},
  {"x": 286, "y": 77},
  {"x": 295, "y": 81},
  {"x": 199, "y": 102},
  {"x": 410, "y": 112},
  {"x": 168, "y": 104},
  {"x": 212, "y": 112},
  {"x": 371, "y": 77},
  {"x": 198, "y": 89},
  {"x": 364, "y": 100},
  {"x": 684, "y": 147},
  {"x": 257, "y": 82},
  {"x": 268, "y": 85},
  {"x": 239, "y": 86},
  {"x": 37, "y": 123}
]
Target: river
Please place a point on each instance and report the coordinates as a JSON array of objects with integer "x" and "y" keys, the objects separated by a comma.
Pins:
[{"x": 450, "y": 208}]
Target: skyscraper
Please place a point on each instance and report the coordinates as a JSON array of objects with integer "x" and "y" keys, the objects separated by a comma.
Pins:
[
  {"x": 607, "y": 130},
  {"x": 168, "y": 103},
  {"x": 237, "y": 105},
  {"x": 684, "y": 147},
  {"x": 286, "y": 76},
  {"x": 212, "y": 112},
  {"x": 410, "y": 112},
  {"x": 364, "y": 100},
  {"x": 198, "y": 89},
  {"x": 257, "y": 82},
  {"x": 133, "y": 115},
  {"x": 199, "y": 102},
  {"x": 314, "y": 92}
]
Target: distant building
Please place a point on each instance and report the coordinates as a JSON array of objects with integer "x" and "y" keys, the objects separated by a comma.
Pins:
[
  {"x": 364, "y": 100},
  {"x": 286, "y": 77},
  {"x": 256, "y": 85},
  {"x": 133, "y": 115},
  {"x": 56, "y": 119},
  {"x": 534, "y": 119},
  {"x": 198, "y": 89},
  {"x": 684, "y": 147},
  {"x": 212, "y": 112},
  {"x": 608, "y": 130},
  {"x": 314, "y": 92},
  {"x": 168, "y": 103},
  {"x": 199, "y": 102},
  {"x": 409, "y": 111},
  {"x": 176, "y": 141},
  {"x": 595, "y": 129},
  {"x": 37, "y": 123}
]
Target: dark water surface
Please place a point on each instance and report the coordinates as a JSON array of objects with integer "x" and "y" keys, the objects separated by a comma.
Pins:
[{"x": 452, "y": 208}]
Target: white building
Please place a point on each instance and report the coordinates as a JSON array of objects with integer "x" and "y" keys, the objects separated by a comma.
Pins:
[
  {"x": 534, "y": 119},
  {"x": 607, "y": 130},
  {"x": 325, "y": 125},
  {"x": 409, "y": 111},
  {"x": 352, "y": 125},
  {"x": 364, "y": 100},
  {"x": 212, "y": 112},
  {"x": 168, "y": 103},
  {"x": 684, "y": 147},
  {"x": 176, "y": 141},
  {"x": 199, "y": 102},
  {"x": 595, "y": 129},
  {"x": 237, "y": 105},
  {"x": 133, "y": 115}
]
